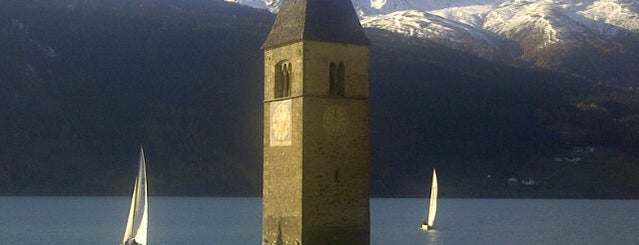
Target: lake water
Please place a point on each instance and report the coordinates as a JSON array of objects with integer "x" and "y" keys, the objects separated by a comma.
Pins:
[{"x": 226, "y": 221}]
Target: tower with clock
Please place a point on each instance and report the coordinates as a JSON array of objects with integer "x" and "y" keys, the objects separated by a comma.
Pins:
[{"x": 316, "y": 126}]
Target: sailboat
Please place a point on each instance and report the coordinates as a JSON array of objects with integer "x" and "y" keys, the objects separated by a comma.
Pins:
[
  {"x": 138, "y": 222},
  {"x": 432, "y": 208}
]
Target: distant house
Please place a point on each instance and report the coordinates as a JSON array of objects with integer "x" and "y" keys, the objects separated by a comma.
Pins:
[
  {"x": 583, "y": 149},
  {"x": 528, "y": 181},
  {"x": 512, "y": 181},
  {"x": 572, "y": 159}
]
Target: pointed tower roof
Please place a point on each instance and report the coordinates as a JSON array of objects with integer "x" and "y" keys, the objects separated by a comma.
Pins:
[{"x": 318, "y": 20}]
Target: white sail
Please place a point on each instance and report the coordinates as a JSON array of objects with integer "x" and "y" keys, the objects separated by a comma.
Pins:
[
  {"x": 432, "y": 208},
  {"x": 128, "y": 231},
  {"x": 138, "y": 221},
  {"x": 141, "y": 233}
]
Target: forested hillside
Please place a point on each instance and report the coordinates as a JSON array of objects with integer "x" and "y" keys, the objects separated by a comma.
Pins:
[{"x": 84, "y": 84}]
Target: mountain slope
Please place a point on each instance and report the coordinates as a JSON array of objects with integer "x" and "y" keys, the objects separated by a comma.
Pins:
[
  {"x": 127, "y": 73},
  {"x": 548, "y": 34},
  {"x": 85, "y": 83}
]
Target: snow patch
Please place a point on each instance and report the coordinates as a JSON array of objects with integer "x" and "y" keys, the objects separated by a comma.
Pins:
[
  {"x": 271, "y": 5},
  {"x": 424, "y": 25},
  {"x": 609, "y": 16}
]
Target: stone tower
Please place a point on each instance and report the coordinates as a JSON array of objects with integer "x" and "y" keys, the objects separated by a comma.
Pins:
[{"x": 316, "y": 126}]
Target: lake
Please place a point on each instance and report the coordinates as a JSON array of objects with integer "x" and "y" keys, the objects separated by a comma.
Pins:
[{"x": 212, "y": 220}]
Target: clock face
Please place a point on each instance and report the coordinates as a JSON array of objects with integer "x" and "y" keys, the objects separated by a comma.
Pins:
[
  {"x": 281, "y": 123},
  {"x": 335, "y": 120}
]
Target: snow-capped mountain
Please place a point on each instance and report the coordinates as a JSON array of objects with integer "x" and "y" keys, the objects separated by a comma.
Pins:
[
  {"x": 536, "y": 22},
  {"x": 271, "y": 5},
  {"x": 554, "y": 21},
  {"x": 422, "y": 24},
  {"x": 593, "y": 38}
]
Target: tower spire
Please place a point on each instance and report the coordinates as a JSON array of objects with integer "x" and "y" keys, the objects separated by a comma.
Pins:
[{"x": 317, "y": 20}]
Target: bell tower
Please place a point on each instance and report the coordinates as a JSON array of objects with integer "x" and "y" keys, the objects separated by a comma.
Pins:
[{"x": 316, "y": 126}]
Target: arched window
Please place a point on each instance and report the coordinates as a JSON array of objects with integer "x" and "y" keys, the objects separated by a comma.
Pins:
[
  {"x": 283, "y": 74},
  {"x": 332, "y": 76},
  {"x": 341, "y": 73},
  {"x": 336, "y": 79}
]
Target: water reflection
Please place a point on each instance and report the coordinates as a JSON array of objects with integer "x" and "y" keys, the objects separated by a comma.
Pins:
[{"x": 433, "y": 237}]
